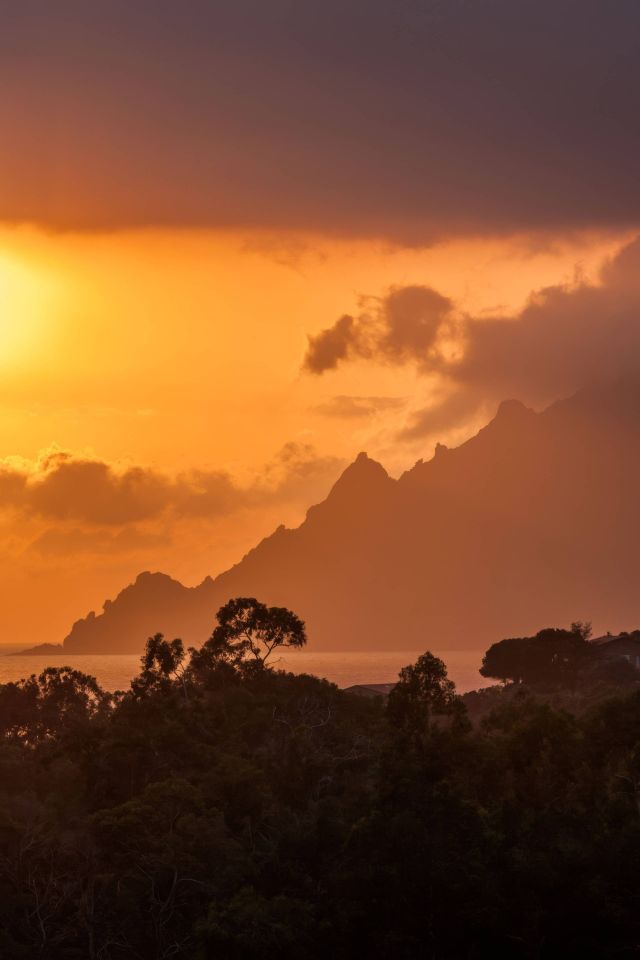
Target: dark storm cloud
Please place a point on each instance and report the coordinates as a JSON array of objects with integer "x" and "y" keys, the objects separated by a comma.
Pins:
[
  {"x": 566, "y": 336},
  {"x": 408, "y": 119},
  {"x": 401, "y": 326}
]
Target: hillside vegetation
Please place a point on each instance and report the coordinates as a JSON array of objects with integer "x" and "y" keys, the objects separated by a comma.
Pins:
[{"x": 220, "y": 808}]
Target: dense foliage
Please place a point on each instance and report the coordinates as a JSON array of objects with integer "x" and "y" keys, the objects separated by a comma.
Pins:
[
  {"x": 224, "y": 809},
  {"x": 552, "y": 657}
]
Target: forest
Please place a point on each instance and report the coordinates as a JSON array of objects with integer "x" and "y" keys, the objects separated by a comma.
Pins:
[{"x": 223, "y": 808}]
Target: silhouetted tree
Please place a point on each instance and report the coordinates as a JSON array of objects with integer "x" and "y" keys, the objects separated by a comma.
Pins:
[
  {"x": 552, "y": 657},
  {"x": 50, "y": 704},
  {"x": 250, "y": 630},
  {"x": 270, "y": 813},
  {"x": 162, "y": 662},
  {"x": 423, "y": 693},
  {"x": 581, "y": 628},
  {"x": 506, "y": 660}
]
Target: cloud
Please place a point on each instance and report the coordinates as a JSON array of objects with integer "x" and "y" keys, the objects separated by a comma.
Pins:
[
  {"x": 401, "y": 326},
  {"x": 72, "y": 488},
  {"x": 63, "y": 541},
  {"x": 565, "y": 337},
  {"x": 410, "y": 120},
  {"x": 343, "y": 341},
  {"x": 297, "y": 473},
  {"x": 65, "y": 487},
  {"x": 440, "y": 416},
  {"x": 344, "y": 407}
]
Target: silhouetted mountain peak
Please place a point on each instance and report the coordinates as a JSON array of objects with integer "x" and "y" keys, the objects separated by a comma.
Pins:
[
  {"x": 154, "y": 584},
  {"x": 364, "y": 462},
  {"x": 364, "y": 474},
  {"x": 534, "y": 519},
  {"x": 512, "y": 411},
  {"x": 513, "y": 423},
  {"x": 146, "y": 578}
]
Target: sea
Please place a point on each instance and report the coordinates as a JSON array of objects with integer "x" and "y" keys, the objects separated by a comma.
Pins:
[{"x": 115, "y": 671}]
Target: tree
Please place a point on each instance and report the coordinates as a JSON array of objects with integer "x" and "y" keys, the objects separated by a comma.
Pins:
[
  {"x": 506, "y": 660},
  {"x": 581, "y": 628},
  {"x": 162, "y": 663},
  {"x": 249, "y": 630},
  {"x": 552, "y": 657},
  {"x": 141, "y": 827},
  {"x": 47, "y": 705},
  {"x": 423, "y": 693}
]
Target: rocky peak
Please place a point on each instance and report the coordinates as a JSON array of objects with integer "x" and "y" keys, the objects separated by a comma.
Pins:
[{"x": 364, "y": 474}]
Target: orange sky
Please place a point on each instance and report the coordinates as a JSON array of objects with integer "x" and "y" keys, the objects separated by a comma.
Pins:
[{"x": 178, "y": 351}]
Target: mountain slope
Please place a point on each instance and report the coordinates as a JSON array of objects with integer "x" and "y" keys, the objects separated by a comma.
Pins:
[{"x": 533, "y": 521}]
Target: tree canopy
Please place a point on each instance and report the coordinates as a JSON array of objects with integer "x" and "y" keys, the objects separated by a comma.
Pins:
[
  {"x": 423, "y": 695},
  {"x": 248, "y": 632},
  {"x": 224, "y": 808},
  {"x": 553, "y": 656}
]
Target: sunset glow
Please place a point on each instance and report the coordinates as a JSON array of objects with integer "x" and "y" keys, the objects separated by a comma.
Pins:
[
  {"x": 27, "y": 302},
  {"x": 182, "y": 350},
  {"x": 319, "y": 459}
]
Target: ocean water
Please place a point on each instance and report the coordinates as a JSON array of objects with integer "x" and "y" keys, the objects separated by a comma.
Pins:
[{"x": 114, "y": 671}]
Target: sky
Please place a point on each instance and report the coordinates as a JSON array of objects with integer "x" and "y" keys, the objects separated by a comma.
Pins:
[{"x": 241, "y": 242}]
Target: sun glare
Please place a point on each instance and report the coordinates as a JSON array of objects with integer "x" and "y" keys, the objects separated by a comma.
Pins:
[{"x": 26, "y": 296}]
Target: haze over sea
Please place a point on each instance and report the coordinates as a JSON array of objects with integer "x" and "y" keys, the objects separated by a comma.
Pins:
[{"x": 114, "y": 671}]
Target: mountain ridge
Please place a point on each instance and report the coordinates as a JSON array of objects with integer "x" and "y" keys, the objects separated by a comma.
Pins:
[{"x": 530, "y": 521}]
